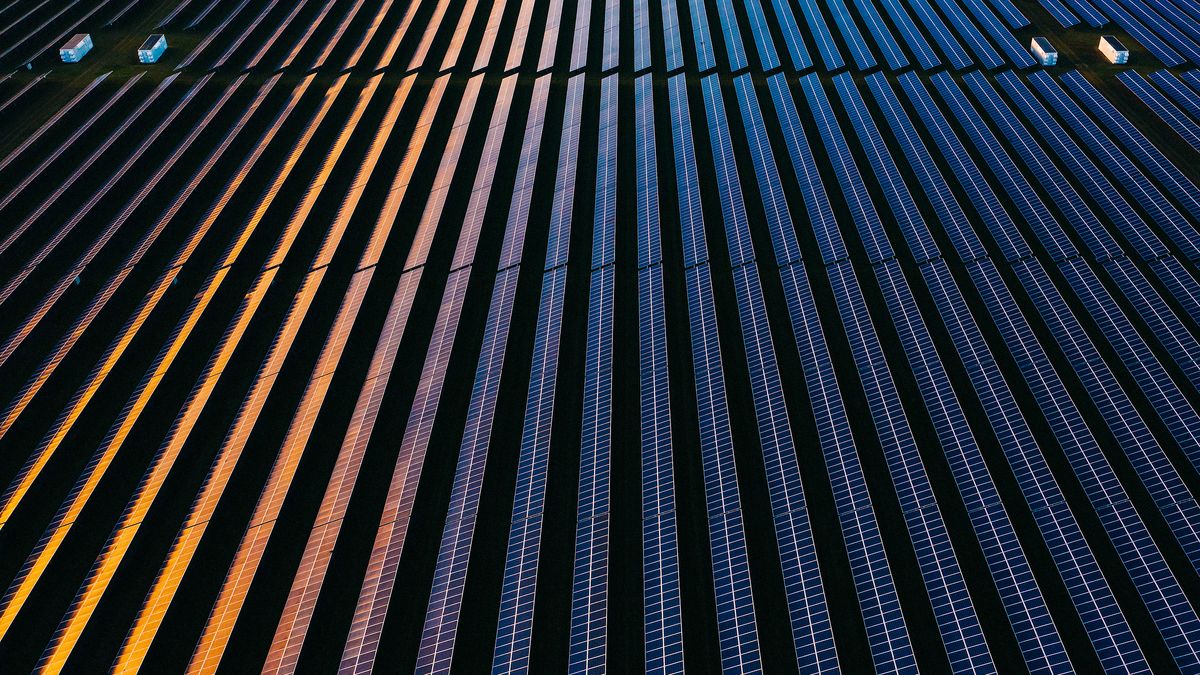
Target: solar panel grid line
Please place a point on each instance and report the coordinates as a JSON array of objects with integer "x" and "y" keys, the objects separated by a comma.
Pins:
[
  {"x": 459, "y": 37},
  {"x": 736, "y": 625},
  {"x": 558, "y": 240},
  {"x": 81, "y": 610},
  {"x": 610, "y": 46},
  {"x": 858, "y": 200},
  {"x": 792, "y": 37},
  {"x": 77, "y": 269},
  {"x": 516, "y": 50},
  {"x": 863, "y": 58},
  {"x": 960, "y": 631},
  {"x": 342, "y": 30},
  {"x": 985, "y": 202},
  {"x": 579, "y": 39},
  {"x": 760, "y": 29},
  {"x": 1163, "y": 107},
  {"x": 1163, "y": 323},
  {"x": 735, "y": 51},
  {"x": 811, "y": 631},
  {"x": 211, "y": 36},
  {"x": 642, "y": 56},
  {"x": 432, "y": 27},
  {"x": 511, "y": 251},
  {"x": 1164, "y": 394},
  {"x": 514, "y": 633},
  {"x": 1180, "y": 284},
  {"x": 605, "y": 208},
  {"x": 1163, "y": 30},
  {"x": 267, "y": 45},
  {"x": 589, "y": 595},
  {"x": 1148, "y": 196},
  {"x": 702, "y": 37},
  {"x": 1145, "y": 37},
  {"x": 67, "y": 515},
  {"x": 1139, "y": 554},
  {"x": 121, "y": 429},
  {"x": 1178, "y": 16},
  {"x": 1143, "y": 450},
  {"x": 949, "y": 212},
  {"x": 988, "y": 57},
  {"x": 816, "y": 200},
  {"x": 1088, "y": 11},
  {"x": 830, "y": 54},
  {"x": 59, "y": 36},
  {"x": 1103, "y": 620},
  {"x": 904, "y": 209},
  {"x": 245, "y": 33},
  {"x": 1179, "y": 92},
  {"x": 882, "y": 35},
  {"x": 672, "y": 37},
  {"x": 1018, "y": 56},
  {"x": 1061, "y": 13},
  {"x": 487, "y": 42},
  {"x": 1028, "y": 614},
  {"x": 550, "y": 35},
  {"x": 439, "y": 634},
  {"x": 920, "y": 47},
  {"x": 303, "y": 39},
  {"x": 113, "y": 136},
  {"x": 138, "y": 316}
]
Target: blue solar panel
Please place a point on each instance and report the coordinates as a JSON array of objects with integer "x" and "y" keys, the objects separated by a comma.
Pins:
[
  {"x": 1164, "y": 395},
  {"x": 705, "y": 60},
  {"x": 811, "y": 631},
  {"x": 660, "y": 555},
  {"x": 916, "y": 42},
  {"x": 791, "y": 35},
  {"x": 986, "y": 204},
  {"x": 979, "y": 45},
  {"x": 642, "y": 56},
  {"x": 959, "y": 626},
  {"x": 1152, "y": 201},
  {"x": 1036, "y": 634},
  {"x": 1123, "y": 419},
  {"x": 589, "y": 592},
  {"x": 1151, "y": 158},
  {"x": 933, "y": 185},
  {"x": 736, "y": 628},
  {"x": 514, "y": 632},
  {"x": 672, "y": 40},
  {"x": 733, "y": 35},
  {"x": 820, "y": 30},
  {"x": 1026, "y": 201},
  {"x": 1167, "y": 111},
  {"x": 854, "y": 190},
  {"x": 1156, "y": 585},
  {"x": 1112, "y": 203},
  {"x": 1091, "y": 595},
  {"x": 761, "y": 30},
  {"x": 1018, "y": 56},
  {"x": 951, "y": 48},
  {"x": 899, "y": 199},
  {"x": 882, "y": 34},
  {"x": 886, "y": 631},
  {"x": 1070, "y": 204},
  {"x": 816, "y": 201},
  {"x": 779, "y": 220},
  {"x": 1183, "y": 96},
  {"x": 1170, "y": 610},
  {"x": 854, "y": 39}
]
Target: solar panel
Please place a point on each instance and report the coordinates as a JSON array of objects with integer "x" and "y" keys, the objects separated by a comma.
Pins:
[
  {"x": 811, "y": 632},
  {"x": 737, "y": 630}
]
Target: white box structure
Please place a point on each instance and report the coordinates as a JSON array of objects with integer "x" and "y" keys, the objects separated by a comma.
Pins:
[
  {"x": 1113, "y": 50},
  {"x": 76, "y": 48},
  {"x": 1043, "y": 51},
  {"x": 152, "y": 48}
]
